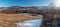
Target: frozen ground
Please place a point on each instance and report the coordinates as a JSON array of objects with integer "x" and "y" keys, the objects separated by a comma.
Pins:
[{"x": 30, "y": 23}]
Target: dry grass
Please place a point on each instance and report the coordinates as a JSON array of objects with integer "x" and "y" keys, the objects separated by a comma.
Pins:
[{"x": 9, "y": 20}]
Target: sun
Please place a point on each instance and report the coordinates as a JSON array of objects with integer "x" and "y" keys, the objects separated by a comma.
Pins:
[{"x": 57, "y": 3}]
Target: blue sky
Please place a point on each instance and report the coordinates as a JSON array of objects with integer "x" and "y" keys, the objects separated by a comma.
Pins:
[{"x": 5, "y": 3}]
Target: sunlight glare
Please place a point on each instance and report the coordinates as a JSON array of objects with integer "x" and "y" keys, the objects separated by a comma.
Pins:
[{"x": 57, "y": 3}]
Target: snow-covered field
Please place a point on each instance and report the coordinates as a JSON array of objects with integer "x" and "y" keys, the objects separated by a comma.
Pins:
[{"x": 30, "y": 23}]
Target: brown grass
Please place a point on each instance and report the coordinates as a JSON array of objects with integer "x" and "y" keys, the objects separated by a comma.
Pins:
[{"x": 9, "y": 20}]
